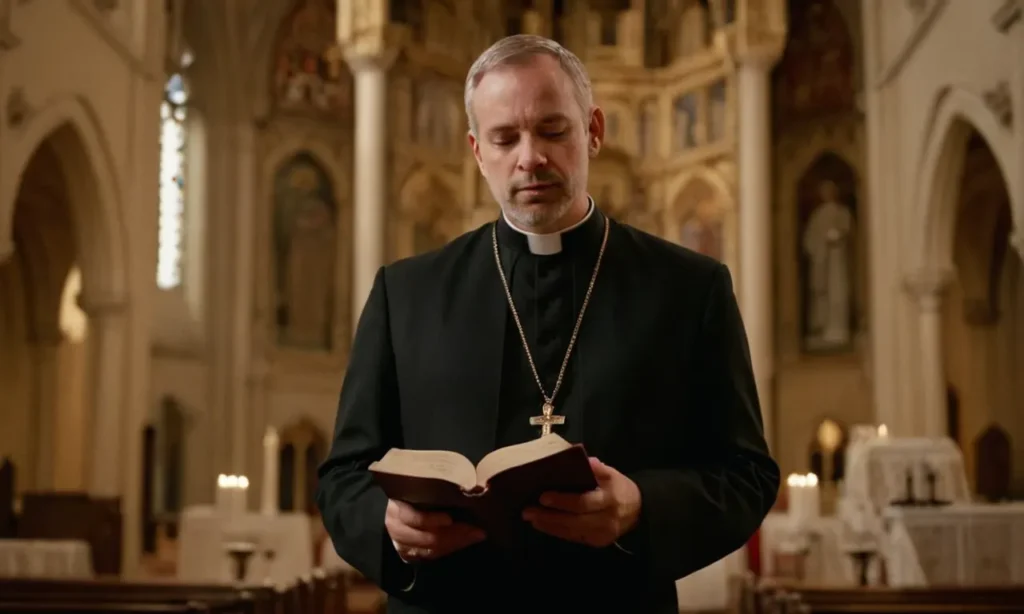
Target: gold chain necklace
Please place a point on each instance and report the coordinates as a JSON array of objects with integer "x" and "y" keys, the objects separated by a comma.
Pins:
[{"x": 547, "y": 419}]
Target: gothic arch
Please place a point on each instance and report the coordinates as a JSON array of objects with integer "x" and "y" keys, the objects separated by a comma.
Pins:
[
  {"x": 428, "y": 202},
  {"x": 330, "y": 164},
  {"x": 954, "y": 115},
  {"x": 703, "y": 194},
  {"x": 71, "y": 128}
]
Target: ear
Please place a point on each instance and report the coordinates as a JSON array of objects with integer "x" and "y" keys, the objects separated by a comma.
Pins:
[
  {"x": 595, "y": 138},
  {"x": 474, "y": 145}
]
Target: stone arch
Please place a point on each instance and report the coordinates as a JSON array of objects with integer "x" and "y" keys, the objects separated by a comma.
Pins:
[
  {"x": 330, "y": 164},
  {"x": 704, "y": 195},
  {"x": 70, "y": 127},
  {"x": 429, "y": 207},
  {"x": 954, "y": 115}
]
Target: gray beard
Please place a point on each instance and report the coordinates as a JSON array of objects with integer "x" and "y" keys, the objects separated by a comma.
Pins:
[{"x": 527, "y": 220}]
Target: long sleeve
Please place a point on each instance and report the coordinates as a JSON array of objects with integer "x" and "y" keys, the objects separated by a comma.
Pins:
[
  {"x": 725, "y": 481},
  {"x": 367, "y": 425}
]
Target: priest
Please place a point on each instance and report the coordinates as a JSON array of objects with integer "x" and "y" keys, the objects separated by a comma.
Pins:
[{"x": 552, "y": 318}]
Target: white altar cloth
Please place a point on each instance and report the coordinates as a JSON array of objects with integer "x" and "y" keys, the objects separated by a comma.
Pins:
[
  {"x": 962, "y": 544},
  {"x": 45, "y": 559},
  {"x": 204, "y": 533},
  {"x": 877, "y": 470},
  {"x": 826, "y": 565}
]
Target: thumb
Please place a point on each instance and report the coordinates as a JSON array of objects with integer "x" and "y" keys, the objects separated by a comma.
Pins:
[{"x": 601, "y": 471}]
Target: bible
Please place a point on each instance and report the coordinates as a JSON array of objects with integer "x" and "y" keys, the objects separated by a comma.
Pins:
[{"x": 493, "y": 494}]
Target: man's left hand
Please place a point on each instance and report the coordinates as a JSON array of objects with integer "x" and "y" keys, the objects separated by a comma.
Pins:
[{"x": 597, "y": 518}]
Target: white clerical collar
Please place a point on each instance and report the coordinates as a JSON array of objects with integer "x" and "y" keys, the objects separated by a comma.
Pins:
[{"x": 551, "y": 243}]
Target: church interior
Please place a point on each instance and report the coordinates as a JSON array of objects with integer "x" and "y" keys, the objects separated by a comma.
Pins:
[{"x": 195, "y": 197}]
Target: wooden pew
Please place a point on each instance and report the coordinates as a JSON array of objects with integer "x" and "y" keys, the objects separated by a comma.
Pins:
[{"x": 931, "y": 600}]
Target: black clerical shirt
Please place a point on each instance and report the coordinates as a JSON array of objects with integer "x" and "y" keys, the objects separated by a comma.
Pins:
[{"x": 548, "y": 292}]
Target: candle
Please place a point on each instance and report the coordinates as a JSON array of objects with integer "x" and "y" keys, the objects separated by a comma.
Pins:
[
  {"x": 221, "y": 496},
  {"x": 241, "y": 496},
  {"x": 883, "y": 431},
  {"x": 804, "y": 500},
  {"x": 271, "y": 473}
]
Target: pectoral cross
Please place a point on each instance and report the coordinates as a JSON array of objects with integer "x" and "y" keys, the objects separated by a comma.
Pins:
[{"x": 545, "y": 421}]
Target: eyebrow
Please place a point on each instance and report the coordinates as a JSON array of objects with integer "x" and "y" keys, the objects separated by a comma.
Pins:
[{"x": 547, "y": 119}]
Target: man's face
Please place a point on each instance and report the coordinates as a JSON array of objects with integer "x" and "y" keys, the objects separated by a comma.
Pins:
[{"x": 533, "y": 141}]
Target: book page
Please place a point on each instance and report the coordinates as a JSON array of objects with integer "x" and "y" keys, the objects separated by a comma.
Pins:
[
  {"x": 519, "y": 454},
  {"x": 436, "y": 464}
]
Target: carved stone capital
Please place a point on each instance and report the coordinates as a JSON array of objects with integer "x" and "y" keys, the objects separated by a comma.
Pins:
[
  {"x": 928, "y": 287},
  {"x": 365, "y": 34},
  {"x": 99, "y": 306}
]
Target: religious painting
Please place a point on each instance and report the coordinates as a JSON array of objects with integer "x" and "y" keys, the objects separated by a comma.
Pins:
[
  {"x": 305, "y": 254},
  {"x": 701, "y": 225},
  {"x": 815, "y": 76},
  {"x": 717, "y": 107},
  {"x": 309, "y": 73},
  {"x": 684, "y": 122},
  {"x": 647, "y": 128},
  {"x": 432, "y": 123},
  {"x": 827, "y": 249}
]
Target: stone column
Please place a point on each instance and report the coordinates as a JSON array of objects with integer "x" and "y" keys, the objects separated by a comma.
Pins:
[
  {"x": 107, "y": 328},
  {"x": 755, "y": 222},
  {"x": 241, "y": 308},
  {"x": 362, "y": 33},
  {"x": 928, "y": 419},
  {"x": 369, "y": 215}
]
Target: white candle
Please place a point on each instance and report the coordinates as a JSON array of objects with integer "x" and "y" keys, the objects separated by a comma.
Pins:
[
  {"x": 883, "y": 431},
  {"x": 804, "y": 500},
  {"x": 271, "y": 472},
  {"x": 221, "y": 495},
  {"x": 241, "y": 498}
]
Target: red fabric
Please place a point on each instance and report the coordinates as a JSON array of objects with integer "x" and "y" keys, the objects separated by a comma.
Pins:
[{"x": 754, "y": 553}]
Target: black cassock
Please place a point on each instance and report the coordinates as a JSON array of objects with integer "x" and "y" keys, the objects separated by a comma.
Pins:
[{"x": 659, "y": 386}]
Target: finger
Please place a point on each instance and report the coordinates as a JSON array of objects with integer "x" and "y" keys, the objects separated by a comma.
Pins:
[
  {"x": 593, "y": 501},
  {"x": 420, "y": 519},
  {"x": 601, "y": 471},
  {"x": 596, "y": 530},
  {"x": 417, "y": 544},
  {"x": 411, "y": 537},
  {"x": 457, "y": 537}
]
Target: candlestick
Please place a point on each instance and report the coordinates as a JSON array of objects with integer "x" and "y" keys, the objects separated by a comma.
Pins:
[{"x": 271, "y": 473}]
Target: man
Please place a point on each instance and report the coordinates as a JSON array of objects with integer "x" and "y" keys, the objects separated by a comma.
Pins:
[{"x": 637, "y": 344}]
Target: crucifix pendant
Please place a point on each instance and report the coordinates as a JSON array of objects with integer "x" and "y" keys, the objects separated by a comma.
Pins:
[{"x": 547, "y": 419}]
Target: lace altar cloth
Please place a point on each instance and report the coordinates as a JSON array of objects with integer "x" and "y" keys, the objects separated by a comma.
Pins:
[
  {"x": 45, "y": 559},
  {"x": 959, "y": 544},
  {"x": 882, "y": 470}
]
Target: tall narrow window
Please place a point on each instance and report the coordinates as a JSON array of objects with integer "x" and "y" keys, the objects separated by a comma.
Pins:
[{"x": 173, "y": 145}]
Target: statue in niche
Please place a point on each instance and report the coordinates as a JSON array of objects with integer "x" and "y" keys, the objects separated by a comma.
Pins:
[
  {"x": 306, "y": 252},
  {"x": 647, "y": 133},
  {"x": 717, "y": 105},
  {"x": 828, "y": 248},
  {"x": 693, "y": 30},
  {"x": 432, "y": 122},
  {"x": 685, "y": 122},
  {"x": 816, "y": 72},
  {"x": 308, "y": 66}
]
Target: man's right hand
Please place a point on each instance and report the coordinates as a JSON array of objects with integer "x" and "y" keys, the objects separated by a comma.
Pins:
[{"x": 419, "y": 535}]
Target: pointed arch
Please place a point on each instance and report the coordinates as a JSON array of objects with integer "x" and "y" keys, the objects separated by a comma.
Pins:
[
  {"x": 954, "y": 115},
  {"x": 72, "y": 129}
]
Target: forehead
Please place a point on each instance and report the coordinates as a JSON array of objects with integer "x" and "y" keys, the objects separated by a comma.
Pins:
[{"x": 523, "y": 92}]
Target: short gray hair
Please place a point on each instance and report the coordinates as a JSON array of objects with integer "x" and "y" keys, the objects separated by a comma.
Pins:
[{"x": 518, "y": 48}]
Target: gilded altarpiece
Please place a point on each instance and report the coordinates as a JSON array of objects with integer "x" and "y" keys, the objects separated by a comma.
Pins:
[{"x": 820, "y": 229}]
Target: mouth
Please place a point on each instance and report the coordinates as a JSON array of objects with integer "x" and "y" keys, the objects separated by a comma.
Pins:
[{"x": 537, "y": 187}]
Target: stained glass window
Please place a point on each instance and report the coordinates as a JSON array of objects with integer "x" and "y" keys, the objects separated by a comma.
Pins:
[{"x": 173, "y": 145}]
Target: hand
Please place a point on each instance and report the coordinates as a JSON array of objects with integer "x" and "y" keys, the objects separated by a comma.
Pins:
[
  {"x": 597, "y": 518},
  {"x": 422, "y": 535}
]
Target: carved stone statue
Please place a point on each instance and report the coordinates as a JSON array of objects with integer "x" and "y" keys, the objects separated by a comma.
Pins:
[{"x": 828, "y": 246}]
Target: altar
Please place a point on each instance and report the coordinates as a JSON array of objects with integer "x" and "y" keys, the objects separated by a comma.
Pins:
[{"x": 904, "y": 517}]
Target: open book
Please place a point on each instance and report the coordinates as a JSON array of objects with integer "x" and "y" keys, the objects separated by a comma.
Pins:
[{"x": 493, "y": 494}]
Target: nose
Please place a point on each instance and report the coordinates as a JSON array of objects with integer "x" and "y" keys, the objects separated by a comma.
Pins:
[{"x": 531, "y": 154}]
